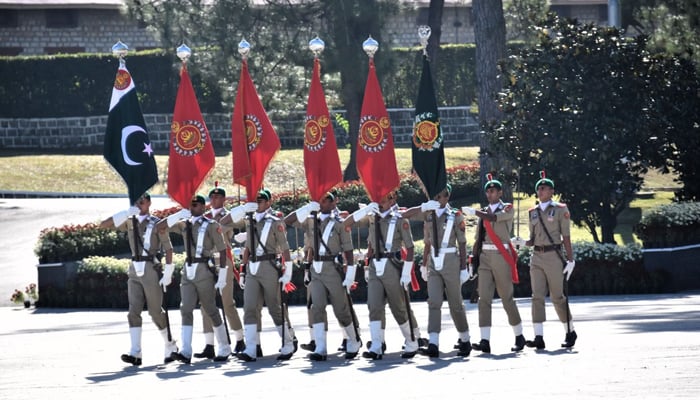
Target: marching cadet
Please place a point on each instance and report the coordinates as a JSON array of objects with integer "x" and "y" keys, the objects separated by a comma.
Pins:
[
  {"x": 143, "y": 285},
  {"x": 389, "y": 277},
  {"x": 496, "y": 264},
  {"x": 203, "y": 238},
  {"x": 446, "y": 243},
  {"x": 329, "y": 241},
  {"x": 266, "y": 238},
  {"x": 217, "y": 212},
  {"x": 550, "y": 226}
]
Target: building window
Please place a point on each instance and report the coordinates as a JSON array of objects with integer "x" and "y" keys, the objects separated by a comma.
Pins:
[
  {"x": 8, "y": 18},
  {"x": 63, "y": 50},
  {"x": 561, "y": 11},
  {"x": 62, "y": 18}
]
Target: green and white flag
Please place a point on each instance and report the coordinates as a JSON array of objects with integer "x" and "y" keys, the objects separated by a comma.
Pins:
[{"x": 126, "y": 146}]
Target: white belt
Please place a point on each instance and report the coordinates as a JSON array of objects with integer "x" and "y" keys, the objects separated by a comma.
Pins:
[{"x": 489, "y": 246}]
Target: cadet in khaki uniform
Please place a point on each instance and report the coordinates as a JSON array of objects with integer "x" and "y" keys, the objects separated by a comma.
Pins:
[
  {"x": 143, "y": 286},
  {"x": 203, "y": 238},
  {"x": 494, "y": 270},
  {"x": 546, "y": 264},
  {"x": 448, "y": 270},
  {"x": 218, "y": 213},
  {"x": 266, "y": 238},
  {"x": 329, "y": 240},
  {"x": 388, "y": 277}
]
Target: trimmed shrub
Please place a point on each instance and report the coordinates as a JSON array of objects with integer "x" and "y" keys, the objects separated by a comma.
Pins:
[{"x": 670, "y": 225}]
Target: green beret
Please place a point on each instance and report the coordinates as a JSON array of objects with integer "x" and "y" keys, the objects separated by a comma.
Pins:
[
  {"x": 264, "y": 194},
  {"x": 198, "y": 198},
  {"x": 217, "y": 190},
  {"x": 544, "y": 181},
  {"x": 492, "y": 183}
]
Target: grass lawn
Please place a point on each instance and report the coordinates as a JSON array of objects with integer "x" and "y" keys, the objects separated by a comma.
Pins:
[{"x": 92, "y": 174}]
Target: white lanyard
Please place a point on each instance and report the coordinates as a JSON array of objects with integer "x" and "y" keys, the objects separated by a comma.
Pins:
[
  {"x": 326, "y": 235},
  {"x": 263, "y": 238},
  {"x": 200, "y": 239},
  {"x": 147, "y": 237}
]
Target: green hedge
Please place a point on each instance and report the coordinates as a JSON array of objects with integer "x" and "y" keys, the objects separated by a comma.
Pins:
[
  {"x": 670, "y": 225},
  {"x": 80, "y": 84}
]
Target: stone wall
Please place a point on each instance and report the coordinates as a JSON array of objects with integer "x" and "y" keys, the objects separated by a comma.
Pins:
[{"x": 458, "y": 123}]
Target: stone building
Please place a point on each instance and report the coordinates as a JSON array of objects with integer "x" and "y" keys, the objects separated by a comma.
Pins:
[{"x": 32, "y": 27}]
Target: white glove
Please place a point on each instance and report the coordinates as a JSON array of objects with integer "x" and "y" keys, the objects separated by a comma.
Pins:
[
  {"x": 424, "y": 273},
  {"x": 120, "y": 217},
  {"x": 406, "y": 273},
  {"x": 241, "y": 281},
  {"x": 517, "y": 242},
  {"x": 167, "y": 278},
  {"x": 464, "y": 275},
  {"x": 569, "y": 269},
  {"x": 287, "y": 275},
  {"x": 430, "y": 205},
  {"x": 303, "y": 212},
  {"x": 174, "y": 218},
  {"x": 366, "y": 274},
  {"x": 251, "y": 207},
  {"x": 362, "y": 212},
  {"x": 221, "y": 282},
  {"x": 468, "y": 210},
  {"x": 349, "y": 277},
  {"x": 237, "y": 213}
]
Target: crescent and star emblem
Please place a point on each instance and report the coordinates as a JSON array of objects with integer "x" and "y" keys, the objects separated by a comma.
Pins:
[{"x": 126, "y": 132}]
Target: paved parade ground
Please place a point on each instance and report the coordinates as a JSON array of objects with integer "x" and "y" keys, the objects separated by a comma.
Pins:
[{"x": 641, "y": 347}]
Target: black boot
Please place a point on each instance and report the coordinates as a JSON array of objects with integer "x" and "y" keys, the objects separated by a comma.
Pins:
[
  {"x": 343, "y": 346},
  {"x": 317, "y": 357},
  {"x": 569, "y": 340},
  {"x": 538, "y": 343},
  {"x": 369, "y": 344},
  {"x": 519, "y": 343},
  {"x": 483, "y": 346},
  {"x": 129, "y": 359},
  {"x": 240, "y": 346},
  {"x": 208, "y": 352},
  {"x": 244, "y": 357},
  {"x": 371, "y": 355},
  {"x": 258, "y": 351},
  {"x": 430, "y": 351},
  {"x": 180, "y": 357},
  {"x": 464, "y": 348},
  {"x": 311, "y": 346}
]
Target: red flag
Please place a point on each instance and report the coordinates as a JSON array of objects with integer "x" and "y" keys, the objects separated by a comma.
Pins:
[
  {"x": 376, "y": 161},
  {"x": 191, "y": 151},
  {"x": 321, "y": 161},
  {"x": 254, "y": 141}
]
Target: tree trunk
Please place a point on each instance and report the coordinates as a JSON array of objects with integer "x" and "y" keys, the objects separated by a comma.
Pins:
[{"x": 490, "y": 38}]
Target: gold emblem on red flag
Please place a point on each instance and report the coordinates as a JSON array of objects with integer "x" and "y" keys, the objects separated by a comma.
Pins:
[
  {"x": 253, "y": 131},
  {"x": 372, "y": 133},
  {"x": 315, "y": 132},
  {"x": 189, "y": 137},
  {"x": 123, "y": 80}
]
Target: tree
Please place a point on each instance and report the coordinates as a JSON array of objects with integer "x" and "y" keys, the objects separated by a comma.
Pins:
[
  {"x": 521, "y": 15},
  {"x": 490, "y": 38},
  {"x": 277, "y": 31},
  {"x": 586, "y": 104}
]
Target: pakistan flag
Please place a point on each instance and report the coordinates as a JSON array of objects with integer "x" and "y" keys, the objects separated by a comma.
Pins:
[{"x": 127, "y": 147}]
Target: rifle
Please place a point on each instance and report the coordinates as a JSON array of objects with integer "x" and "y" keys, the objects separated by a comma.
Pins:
[
  {"x": 475, "y": 260},
  {"x": 355, "y": 321}
]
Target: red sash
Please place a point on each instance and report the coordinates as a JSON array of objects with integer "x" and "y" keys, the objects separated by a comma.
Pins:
[{"x": 511, "y": 258}]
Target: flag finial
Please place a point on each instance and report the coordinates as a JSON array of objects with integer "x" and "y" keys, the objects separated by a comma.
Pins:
[
  {"x": 424, "y": 34},
  {"x": 183, "y": 52},
  {"x": 244, "y": 49},
  {"x": 370, "y": 46},
  {"x": 316, "y": 45}
]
